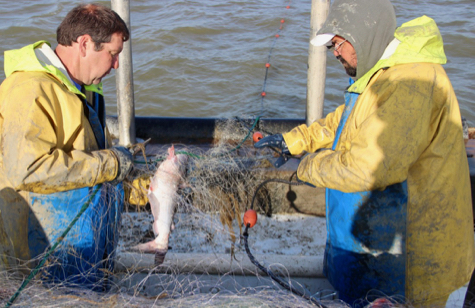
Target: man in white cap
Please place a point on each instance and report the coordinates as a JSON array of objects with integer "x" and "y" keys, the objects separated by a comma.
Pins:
[{"x": 392, "y": 159}]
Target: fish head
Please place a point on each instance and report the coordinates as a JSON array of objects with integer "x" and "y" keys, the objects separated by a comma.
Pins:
[{"x": 174, "y": 165}]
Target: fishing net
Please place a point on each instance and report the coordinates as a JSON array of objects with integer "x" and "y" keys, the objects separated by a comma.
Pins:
[{"x": 206, "y": 264}]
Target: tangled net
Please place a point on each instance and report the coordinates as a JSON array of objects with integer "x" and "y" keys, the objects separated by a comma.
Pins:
[
  {"x": 206, "y": 265},
  {"x": 220, "y": 183}
]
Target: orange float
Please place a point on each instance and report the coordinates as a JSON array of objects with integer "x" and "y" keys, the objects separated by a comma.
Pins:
[
  {"x": 250, "y": 218},
  {"x": 257, "y": 136}
]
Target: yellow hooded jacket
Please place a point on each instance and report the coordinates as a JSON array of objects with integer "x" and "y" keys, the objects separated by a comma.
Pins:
[
  {"x": 404, "y": 129},
  {"x": 46, "y": 142}
]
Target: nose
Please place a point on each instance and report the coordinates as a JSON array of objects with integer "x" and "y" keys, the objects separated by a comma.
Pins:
[
  {"x": 336, "y": 53},
  {"x": 115, "y": 62}
]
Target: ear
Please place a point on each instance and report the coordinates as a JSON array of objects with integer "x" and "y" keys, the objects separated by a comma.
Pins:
[{"x": 84, "y": 41}]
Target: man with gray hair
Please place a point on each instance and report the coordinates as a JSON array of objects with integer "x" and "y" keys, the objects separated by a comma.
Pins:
[{"x": 392, "y": 159}]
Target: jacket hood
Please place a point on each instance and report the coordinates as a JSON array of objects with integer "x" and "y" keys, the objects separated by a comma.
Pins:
[
  {"x": 416, "y": 41},
  {"x": 39, "y": 57},
  {"x": 367, "y": 24}
]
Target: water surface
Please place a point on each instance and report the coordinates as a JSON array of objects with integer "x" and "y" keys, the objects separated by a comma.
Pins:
[{"x": 207, "y": 58}]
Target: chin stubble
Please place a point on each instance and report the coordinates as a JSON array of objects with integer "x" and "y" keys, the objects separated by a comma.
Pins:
[{"x": 351, "y": 71}]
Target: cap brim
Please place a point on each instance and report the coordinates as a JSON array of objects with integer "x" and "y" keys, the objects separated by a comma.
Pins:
[{"x": 322, "y": 39}]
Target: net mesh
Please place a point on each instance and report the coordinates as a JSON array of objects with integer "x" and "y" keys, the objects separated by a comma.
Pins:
[{"x": 206, "y": 265}]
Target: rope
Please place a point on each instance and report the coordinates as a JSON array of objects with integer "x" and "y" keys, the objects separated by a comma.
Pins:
[
  {"x": 276, "y": 181},
  {"x": 263, "y": 95},
  {"x": 274, "y": 277},
  {"x": 268, "y": 65},
  {"x": 264, "y": 269},
  {"x": 51, "y": 250}
]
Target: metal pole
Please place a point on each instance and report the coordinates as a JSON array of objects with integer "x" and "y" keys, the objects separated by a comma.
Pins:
[
  {"x": 317, "y": 60},
  {"x": 124, "y": 81}
]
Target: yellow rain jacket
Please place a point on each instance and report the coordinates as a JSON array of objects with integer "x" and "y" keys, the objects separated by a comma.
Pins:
[
  {"x": 393, "y": 160},
  {"x": 49, "y": 156}
]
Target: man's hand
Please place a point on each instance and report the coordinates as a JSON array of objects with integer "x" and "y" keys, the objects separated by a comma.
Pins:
[
  {"x": 273, "y": 141},
  {"x": 126, "y": 161},
  {"x": 277, "y": 143}
]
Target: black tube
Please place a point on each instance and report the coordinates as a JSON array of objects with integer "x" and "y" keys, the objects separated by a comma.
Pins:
[{"x": 275, "y": 278}]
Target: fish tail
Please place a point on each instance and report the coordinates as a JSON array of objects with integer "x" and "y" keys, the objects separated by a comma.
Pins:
[{"x": 160, "y": 256}]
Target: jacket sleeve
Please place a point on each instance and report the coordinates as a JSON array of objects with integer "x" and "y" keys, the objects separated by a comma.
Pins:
[
  {"x": 39, "y": 152},
  {"x": 320, "y": 134},
  {"x": 391, "y": 127}
]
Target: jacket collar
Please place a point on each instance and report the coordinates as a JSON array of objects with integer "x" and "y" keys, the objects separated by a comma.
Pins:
[{"x": 416, "y": 41}]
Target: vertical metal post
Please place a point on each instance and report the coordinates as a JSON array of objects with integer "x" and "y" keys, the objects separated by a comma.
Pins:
[
  {"x": 317, "y": 60},
  {"x": 124, "y": 81}
]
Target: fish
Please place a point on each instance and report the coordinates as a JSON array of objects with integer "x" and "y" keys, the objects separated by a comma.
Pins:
[{"x": 162, "y": 195}]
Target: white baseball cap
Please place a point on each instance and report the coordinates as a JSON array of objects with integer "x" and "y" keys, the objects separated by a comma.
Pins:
[{"x": 322, "y": 39}]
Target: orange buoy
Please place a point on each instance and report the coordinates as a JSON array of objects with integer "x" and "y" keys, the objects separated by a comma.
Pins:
[
  {"x": 257, "y": 136},
  {"x": 250, "y": 218}
]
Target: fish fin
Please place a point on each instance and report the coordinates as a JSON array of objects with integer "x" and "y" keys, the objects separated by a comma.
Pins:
[
  {"x": 146, "y": 247},
  {"x": 155, "y": 228},
  {"x": 154, "y": 205},
  {"x": 151, "y": 247},
  {"x": 171, "y": 151}
]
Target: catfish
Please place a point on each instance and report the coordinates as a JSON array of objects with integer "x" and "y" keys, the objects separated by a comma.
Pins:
[{"x": 162, "y": 195}]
